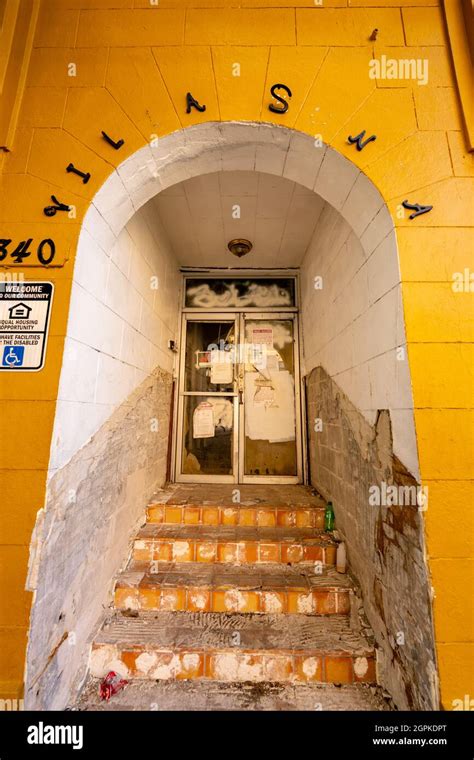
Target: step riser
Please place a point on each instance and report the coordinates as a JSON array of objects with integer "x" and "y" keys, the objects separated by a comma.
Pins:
[
  {"x": 231, "y": 666},
  {"x": 201, "y": 599},
  {"x": 239, "y": 516},
  {"x": 252, "y": 552}
]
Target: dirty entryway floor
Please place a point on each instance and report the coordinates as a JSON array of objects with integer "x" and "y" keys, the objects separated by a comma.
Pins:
[{"x": 235, "y": 605}]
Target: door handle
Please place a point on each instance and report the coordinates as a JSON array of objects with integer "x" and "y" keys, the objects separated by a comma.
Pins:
[{"x": 240, "y": 382}]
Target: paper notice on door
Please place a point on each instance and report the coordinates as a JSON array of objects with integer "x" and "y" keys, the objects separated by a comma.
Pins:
[
  {"x": 262, "y": 336},
  {"x": 203, "y": 421},
  {"x": 275, "y": 421},
  {"x": 273, "y": 362},
  {"x": 221, "y": 368},
  {"x": 264, "y": 395},
  {"x": 255, "y": 356}
]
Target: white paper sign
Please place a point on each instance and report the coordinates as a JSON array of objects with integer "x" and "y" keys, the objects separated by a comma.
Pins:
[
  {"x": 203, "y": 421},
  {"x": 273, "y": 362},
  {"x": 262, "y": 336},
  {"x": 275, "y": 421},
  {"x": 221, "y": 368},
  {"x": 264, "y": 395}
]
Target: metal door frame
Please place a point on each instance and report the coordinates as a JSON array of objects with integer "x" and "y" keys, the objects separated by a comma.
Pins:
[
  {"x": 203, "y": 316},
  {"x": 238, "y": 459}
]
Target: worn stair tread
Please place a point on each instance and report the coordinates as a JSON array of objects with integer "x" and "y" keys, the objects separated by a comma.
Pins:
[
  {"x": 143, "y": 695},
  {"x": 317, "y": 504},
  {"x": 207, "y": 631},
  {"x": 251, "y": 576},
  {"x": 222, "y": 495},
  {"x": 233, "y": 534}
]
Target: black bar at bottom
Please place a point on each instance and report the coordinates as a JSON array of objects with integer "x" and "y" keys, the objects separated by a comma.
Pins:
[{"x": 336, "y": 734}]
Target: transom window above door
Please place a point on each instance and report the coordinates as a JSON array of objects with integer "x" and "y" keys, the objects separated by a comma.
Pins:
[{"x": 240, "y": 293}]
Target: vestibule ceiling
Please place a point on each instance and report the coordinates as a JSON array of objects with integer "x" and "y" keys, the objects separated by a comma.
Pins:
[{"x": 201, "y": 215}]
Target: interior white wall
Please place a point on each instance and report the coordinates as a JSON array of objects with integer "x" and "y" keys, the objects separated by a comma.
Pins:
[
  {"x": 118, "y": 329},
  {"x": 354, "y": 325}
]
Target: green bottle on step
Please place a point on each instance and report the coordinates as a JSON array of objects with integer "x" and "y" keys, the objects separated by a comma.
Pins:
[{"x": 329, "y": 517}]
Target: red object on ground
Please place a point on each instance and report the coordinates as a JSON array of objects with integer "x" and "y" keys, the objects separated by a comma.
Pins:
[{"x": 111, "y": 684}]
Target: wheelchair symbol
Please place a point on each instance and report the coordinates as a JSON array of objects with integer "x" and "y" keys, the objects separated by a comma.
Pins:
[{"x": 13, "y": 356}]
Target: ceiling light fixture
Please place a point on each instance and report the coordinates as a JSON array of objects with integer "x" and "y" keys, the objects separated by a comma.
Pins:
[{"x": 239, "y": 247}]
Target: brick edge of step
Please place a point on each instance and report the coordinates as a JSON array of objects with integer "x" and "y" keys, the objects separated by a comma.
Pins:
[
  {"x": 262, "y": 517},
  {"x": 228, "y": 665},
  {"x": 168, "y": 549},
  {"x": 198, "y": 598}
]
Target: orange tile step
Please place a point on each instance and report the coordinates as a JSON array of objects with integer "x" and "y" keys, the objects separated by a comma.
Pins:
[
  {"x": 224, "y": 588},
  {"x": 235, "y": 545},
  {"x": 265, "y": 516},
  {"x": 233, "y": 648}
]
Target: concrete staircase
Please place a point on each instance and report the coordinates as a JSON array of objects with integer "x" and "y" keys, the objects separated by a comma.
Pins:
[{"x": 223, "y": 605}]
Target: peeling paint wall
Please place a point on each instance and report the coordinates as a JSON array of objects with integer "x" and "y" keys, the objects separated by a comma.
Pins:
[
  {"x": 385, "y": 543},
  {"x": 94, "y": 505}
]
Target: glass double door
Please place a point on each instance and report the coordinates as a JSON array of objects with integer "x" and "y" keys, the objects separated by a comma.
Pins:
[{"x": 239, "y": 402}]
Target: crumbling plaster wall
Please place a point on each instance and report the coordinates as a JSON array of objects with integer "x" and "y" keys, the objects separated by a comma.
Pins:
[
  {"x": 94, "y": 506},
  {"x": 353, "y": 327},
  {"x": 348, "y": 456},
  {"x": 110, "y": 443}
]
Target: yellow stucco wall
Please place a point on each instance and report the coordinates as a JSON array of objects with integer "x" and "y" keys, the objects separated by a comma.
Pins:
[{"x": 135, "y": 62}]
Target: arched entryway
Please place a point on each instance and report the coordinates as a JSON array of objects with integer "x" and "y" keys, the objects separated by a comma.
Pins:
[
  {"x": 110, "y": 446},
  {"x": 350, "y": 198}
]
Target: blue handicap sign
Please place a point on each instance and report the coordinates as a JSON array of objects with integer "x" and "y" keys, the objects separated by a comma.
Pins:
[{"x": 13, "y": 356}]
